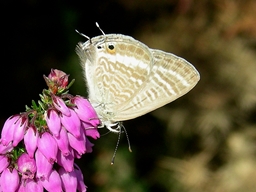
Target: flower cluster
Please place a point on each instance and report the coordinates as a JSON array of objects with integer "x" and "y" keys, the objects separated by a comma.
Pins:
[{"x": 38, "y": 147}]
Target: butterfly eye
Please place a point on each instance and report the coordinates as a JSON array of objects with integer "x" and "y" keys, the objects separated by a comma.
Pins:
[{"x": 111, "y": 48}]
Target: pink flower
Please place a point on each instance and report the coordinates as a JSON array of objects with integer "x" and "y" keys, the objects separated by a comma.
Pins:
[
  {"x": 5, "y": 148},
  {"x": 30, "y": 141},
  {"x": 85, "y": 111},
  {"x": 60, "y": 105},
  {"x": 44, "y": 167},
  {"x": 13, "y": 130},
  {"x": 77, "y": 143},
  {"x": 9, "y": 180},
  {"x": 26, "y": 166},
  {"x": 8, "y": 129},
  {"x": 89, "y": 146},
  {"x": 48, "y": 147},
  {"x": 69, "y": 180},
  {"x": 62, "y": 142},
  {"x": 90, "y": 131},
  {"x": 4, "y": 162},
  {"x": 67, "y": 162},
  {"x": 71, "y": 123},
  {"x": 77, "y": 155},
  {"x": 22, "y": 187},
  {"x": 53, "y": 121},
  {"x": 81, "y": 187},
  {"x": 53, "y": 184},
  {"x": 30, "y": 185},
  {"x": 33, "y": 186},
  {"x": 19, "y": 130}
]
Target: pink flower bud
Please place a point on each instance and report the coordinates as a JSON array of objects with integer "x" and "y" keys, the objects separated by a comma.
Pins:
[
  {"x": 44, "y": 167},
  {"x": 56, "y": 81},
  {"x": 85, "y": 111},
  {"x": 90, "y": 131},
  {"x": 53, "y": 184},
  {"x": 71, "y": 123},
  {"x": 30, "y": 141},
  {"x": 48, "y": 146},
  {"x": 59, "y": 77},
  {"x": 9, "y": 180},
  {"x": 62, "y": 142},
  {"x": 60, "y": 105},
  {"x": 8, "y": 129},
  {"x": 4, "y": 162},
  {"x": 53, "y": 121},
  {"x": 77, "y": 143},
  {"x": 81, "y": 187},
  {"x": 67, "y": 162},
  {"x": 19, "y": 131},
  {"x": 69, "y": 180},
  {"x": 26, "y": 166}
]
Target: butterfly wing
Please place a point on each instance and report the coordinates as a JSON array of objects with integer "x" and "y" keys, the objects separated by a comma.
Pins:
[
  {"x": 126, "y": 79},
  {"x": 116, "y": 69},
  {"x": 170, "y": 78}
]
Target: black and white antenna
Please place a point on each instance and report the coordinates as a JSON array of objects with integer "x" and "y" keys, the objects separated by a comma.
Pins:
[
  {"x": 97, "y": 25},
  {"x": 83, "y": 35},
  {"x": 118, "y": 141}
]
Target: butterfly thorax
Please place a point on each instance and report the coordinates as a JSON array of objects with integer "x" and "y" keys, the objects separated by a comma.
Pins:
[{"x": 106, "y": 117}]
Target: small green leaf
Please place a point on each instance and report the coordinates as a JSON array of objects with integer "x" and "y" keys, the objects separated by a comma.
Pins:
[
  {"x": 42, "y": 105},
  {"x": 70, "y": 84}
]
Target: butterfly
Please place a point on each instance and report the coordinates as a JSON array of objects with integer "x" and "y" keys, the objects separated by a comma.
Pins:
[{"x": 127, "y": 79}]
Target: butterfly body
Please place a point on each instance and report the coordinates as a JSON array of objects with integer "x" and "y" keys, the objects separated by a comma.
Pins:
[{"x": 127, "y": 79}]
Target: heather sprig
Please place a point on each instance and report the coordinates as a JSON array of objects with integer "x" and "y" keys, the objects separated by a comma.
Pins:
[{"x": 38, "y": 146}]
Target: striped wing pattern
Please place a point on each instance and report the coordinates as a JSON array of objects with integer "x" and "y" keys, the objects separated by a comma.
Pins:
[{"x": 126, "y": 79}]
